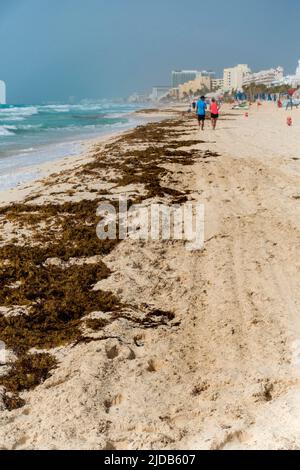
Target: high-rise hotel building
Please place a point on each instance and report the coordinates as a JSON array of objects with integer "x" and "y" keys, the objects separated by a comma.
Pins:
[
  {"x": 179, "y": 77},
  {"x": 2, "y": 92}
]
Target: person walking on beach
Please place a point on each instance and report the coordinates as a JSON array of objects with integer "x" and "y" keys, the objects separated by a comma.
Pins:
[
  {"x": 290, "y": 103},
  {"x": 201, "y": 112},
  {"x": 214, "y": 113}
]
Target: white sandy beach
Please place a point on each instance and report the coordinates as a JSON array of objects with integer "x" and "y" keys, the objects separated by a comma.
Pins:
[{"x": 225, "y": 374}]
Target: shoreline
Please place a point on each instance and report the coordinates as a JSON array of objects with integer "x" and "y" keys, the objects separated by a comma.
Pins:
[{"x": 44, "y": 170}]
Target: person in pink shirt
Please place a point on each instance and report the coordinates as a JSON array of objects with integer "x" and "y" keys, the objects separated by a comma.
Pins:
[{"x": 214, "y": 113}]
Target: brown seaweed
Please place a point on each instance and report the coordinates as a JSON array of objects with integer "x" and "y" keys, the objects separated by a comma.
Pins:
[{"x": 58, "y": 297}]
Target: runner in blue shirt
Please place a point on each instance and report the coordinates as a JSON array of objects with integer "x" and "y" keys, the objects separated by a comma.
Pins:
[{"x": 201, "y": 111}]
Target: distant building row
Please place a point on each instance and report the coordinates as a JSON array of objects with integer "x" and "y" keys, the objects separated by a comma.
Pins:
[
  {"x": 240, "y": 76},
  {"x": 185, "y": 82},
  {"x": 194, "y": 82},
  {"x": 234, "y": 78}
]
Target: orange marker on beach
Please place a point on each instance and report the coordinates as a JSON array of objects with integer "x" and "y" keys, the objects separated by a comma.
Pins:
[{"x": 289, "y": 121}]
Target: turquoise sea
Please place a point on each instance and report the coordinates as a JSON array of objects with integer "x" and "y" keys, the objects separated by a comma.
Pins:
[{"x": 35, "y": 134}]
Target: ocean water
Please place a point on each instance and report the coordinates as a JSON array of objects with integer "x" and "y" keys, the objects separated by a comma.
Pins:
[{"x": 36, "y": 134}]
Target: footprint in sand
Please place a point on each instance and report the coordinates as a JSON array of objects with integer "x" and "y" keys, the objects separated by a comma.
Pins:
[
  {"x": 112, "y": 351},
  {"x": 114, "y": 402},
  {"x": 154, "y": 365}
]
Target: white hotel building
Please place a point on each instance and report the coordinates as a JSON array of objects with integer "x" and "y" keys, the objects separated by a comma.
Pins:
[
  {"x": 264, "y": 77},
  {"x": 234, "y": 77},
  {"x": 2, "y": 92},
  {"x": 292, "y": 80}
]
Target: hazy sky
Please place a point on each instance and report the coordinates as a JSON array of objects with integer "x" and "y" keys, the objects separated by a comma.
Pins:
[{"x": 53, "y": 49}]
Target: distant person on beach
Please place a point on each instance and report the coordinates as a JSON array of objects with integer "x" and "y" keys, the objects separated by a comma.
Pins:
[
  {"x": 188, "y": 111},
  {"x": 194, "y": 105},
  {"x": 201, "y": 112},
  {"x": 214, "y": 113},
  {"x": 289, "y": 103}
]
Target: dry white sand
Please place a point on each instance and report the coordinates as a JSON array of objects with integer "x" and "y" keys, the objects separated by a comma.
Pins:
[{"x": 227, "y": 377}]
